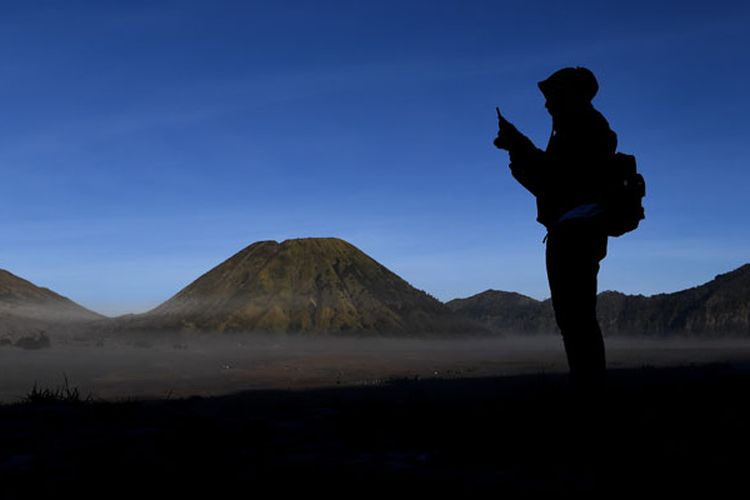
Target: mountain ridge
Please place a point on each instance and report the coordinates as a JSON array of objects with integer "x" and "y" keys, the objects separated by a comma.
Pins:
[
  {"x": 327, "y": 285},
  {"x": 715, "y": 308}
]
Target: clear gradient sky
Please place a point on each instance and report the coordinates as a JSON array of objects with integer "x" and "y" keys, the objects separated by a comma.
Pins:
[{"x": 144, "y": 142}]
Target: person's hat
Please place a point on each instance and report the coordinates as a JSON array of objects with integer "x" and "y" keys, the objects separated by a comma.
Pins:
[{"x": 578, "y": 83}]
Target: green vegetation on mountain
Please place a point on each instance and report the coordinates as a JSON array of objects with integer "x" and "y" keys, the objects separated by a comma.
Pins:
[{"x": 307, "y": 285}]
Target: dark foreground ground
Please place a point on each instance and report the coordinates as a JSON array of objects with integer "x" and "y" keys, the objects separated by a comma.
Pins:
[{"x": 655, "y": 431}]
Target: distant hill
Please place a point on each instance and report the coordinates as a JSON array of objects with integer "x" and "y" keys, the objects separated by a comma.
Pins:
[
  {"x": 28, "y": 311},
  {"x": 308, "y": 285},
  {"x": 506, "y": 312},
  {"x": 326, "y": 285},
  {"x": 719, "y": 307}
]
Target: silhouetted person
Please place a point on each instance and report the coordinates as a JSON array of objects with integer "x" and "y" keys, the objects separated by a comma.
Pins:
[{"x": 567, "y": 181}]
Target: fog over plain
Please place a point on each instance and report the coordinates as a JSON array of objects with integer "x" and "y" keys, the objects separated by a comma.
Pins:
[{"x": 143, "y": 367}]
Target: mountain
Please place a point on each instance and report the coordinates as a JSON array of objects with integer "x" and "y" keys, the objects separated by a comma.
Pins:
[
  {"x": 29, "y": 311},
  {"x": 326, "y": 285},
  {"x": 506, "y": 312},
  {"x": 719, "y": 307},
  {"x": 307, "y": 285}
]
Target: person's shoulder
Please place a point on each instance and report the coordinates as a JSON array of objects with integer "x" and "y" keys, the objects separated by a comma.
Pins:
[
  {"x": 599, "y": 127},
  {"x": 597, "y": 119}
]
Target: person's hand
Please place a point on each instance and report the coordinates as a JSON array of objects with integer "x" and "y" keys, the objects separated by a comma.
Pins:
[
  {"x": 506, "y": 133},
  {"x": 500, "y": 142}
]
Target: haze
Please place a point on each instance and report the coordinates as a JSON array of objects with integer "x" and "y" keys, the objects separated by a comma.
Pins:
[{"x": 120, "y": 369}]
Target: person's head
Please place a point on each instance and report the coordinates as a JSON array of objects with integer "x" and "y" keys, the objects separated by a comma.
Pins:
[{"x": 568, "y": 89}]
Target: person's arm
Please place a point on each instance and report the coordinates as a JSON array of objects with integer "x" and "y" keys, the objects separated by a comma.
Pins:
[{"x": 526, "y": 160}]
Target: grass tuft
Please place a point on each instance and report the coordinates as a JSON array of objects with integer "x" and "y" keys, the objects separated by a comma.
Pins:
[{"x": 61, "y": 394}]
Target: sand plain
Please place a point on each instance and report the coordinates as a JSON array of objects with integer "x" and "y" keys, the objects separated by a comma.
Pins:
[{"x": 120, "y": 369}]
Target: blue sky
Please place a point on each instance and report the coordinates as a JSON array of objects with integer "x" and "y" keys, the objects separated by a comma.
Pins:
[{"x": 144, "y": 142}]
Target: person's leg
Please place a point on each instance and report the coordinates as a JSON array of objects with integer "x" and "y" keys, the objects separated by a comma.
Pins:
[{"x": 573, "y": 254}]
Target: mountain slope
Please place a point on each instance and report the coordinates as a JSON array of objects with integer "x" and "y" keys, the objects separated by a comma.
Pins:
[
  {"x": 26, "y": 309},
  {"x": 719, "y": 307},
  {"x": 308, "y": 285},
  {"x": 506, "y": 312}
]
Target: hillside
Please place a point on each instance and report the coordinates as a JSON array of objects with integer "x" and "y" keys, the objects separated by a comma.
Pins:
[
  {"x": 719, "y": 307},
  {"x": 308, "y": 285},
  {"x": 29, "y": 311},
  {"x": 506, "y": 312}
]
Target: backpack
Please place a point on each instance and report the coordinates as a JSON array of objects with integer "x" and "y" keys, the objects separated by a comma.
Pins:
[{"x": 623, "y": 196}]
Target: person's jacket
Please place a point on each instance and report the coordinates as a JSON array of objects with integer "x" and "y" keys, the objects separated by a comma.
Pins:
[{"x": 571, "y": 172}]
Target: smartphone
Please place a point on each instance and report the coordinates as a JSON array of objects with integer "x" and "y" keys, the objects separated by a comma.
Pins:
[{"x": 500, "y": 118}]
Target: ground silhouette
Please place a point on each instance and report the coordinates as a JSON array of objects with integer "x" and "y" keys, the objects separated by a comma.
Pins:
[{"x": 662, "y": 431}]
